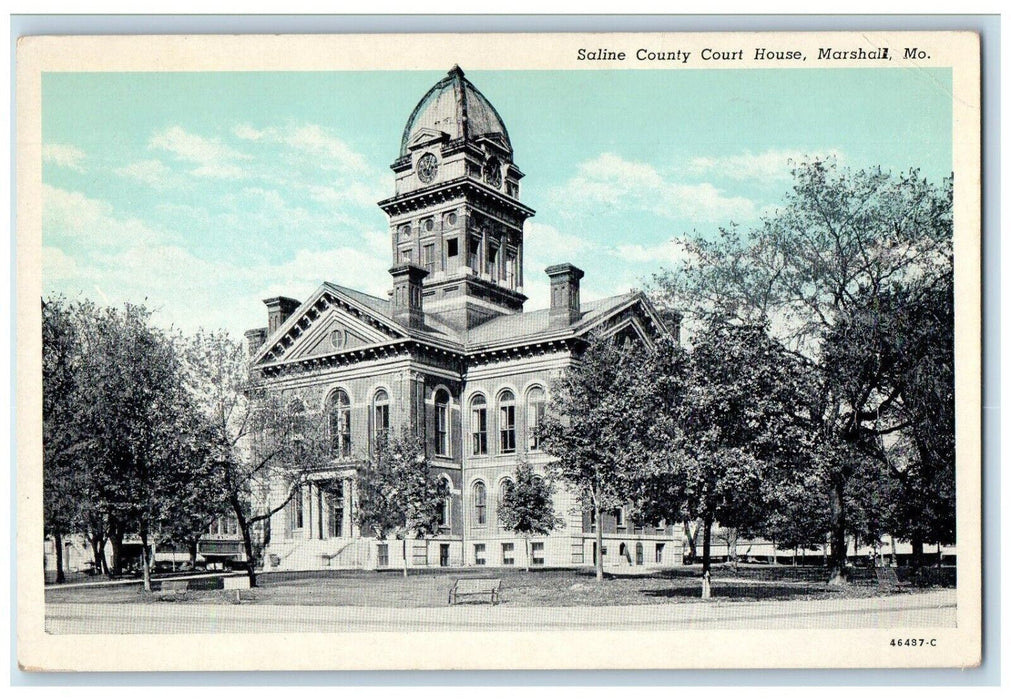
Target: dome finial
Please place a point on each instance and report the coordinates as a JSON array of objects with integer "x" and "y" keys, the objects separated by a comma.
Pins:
[{"x": 456, "y": 70}]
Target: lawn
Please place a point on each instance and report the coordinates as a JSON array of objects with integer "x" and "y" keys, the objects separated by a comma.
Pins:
[{"x": 541, "y": 588}]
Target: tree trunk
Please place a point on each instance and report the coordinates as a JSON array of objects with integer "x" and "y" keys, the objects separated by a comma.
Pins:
[
  {"x": 245, "y": 527},
  {"x": 193, "y": 554},
  {"x": 58, "y": 544},
  {"x": 707, "y": 533},
  {"x": 117, "y": 552},
  {"x": 145, "y": 565},
  {"x": 600, "y": 535},
  {"x": 97, "y": 554},
  {"x": 837, "y": 556},
  {"x": 526, "y": 548},
  {"x": 404, "y": 548},
  {"x": 917, "y": 554},
  {"x": 693, "y": 555}
]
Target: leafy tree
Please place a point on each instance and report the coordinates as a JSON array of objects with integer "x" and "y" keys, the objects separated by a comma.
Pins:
[
  {"x": 713, "y": 426},
  {"x": 66, "y": 438},
  {"x": 839, "y": 252},
  {"x": 526, "y": 507},
  {"x": 396, "y": 492},
  {"x": 257, "y": 438},
  {"x": 201, "y": 496},
  {"x": 585, "y": 428},
  {"x": 129, "y": 386}
]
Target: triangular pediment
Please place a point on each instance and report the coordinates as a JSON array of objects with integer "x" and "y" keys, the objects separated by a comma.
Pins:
[
  {"x": 497, "y": 139},
  {"x": 426, "y": 136},
  {"x": 635, "y": 317},
  {"x": 330, "y": 322}
]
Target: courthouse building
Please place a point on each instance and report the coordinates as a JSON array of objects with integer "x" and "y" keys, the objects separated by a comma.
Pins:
[{"x": 450, "y": 350}]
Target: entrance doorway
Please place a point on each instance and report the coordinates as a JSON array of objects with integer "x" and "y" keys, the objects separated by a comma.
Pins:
[{"x": 443, "y": 555}]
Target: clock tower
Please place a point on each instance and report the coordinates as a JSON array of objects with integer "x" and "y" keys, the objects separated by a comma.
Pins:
[{"x": 456, "y": 211}]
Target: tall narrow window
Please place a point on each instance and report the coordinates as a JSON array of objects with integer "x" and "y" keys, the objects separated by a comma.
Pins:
[
  {"x": 444, "y": 511},
  {"x": 507, "y": 421},
  {"x": 381, "y": 414},
  {"x": 340, "y": 423},
  {"x": 473, "y": 257},
  {"x": 428, "y": 257},
  {"x": 535, "y": 416},
  {"x": 296, "y": 418},
  {"x": 297, "y": 514},
  {"x": 480, "y": 504},
  {"x": 442, "y": 423},
  {"x": 479, "y": 425},
  {"x": 335, "y": 510}
]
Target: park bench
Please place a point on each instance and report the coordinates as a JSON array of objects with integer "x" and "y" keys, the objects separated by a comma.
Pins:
[
  {"x": 471, "y": 587},
  {"x": 174, "y": 588}
]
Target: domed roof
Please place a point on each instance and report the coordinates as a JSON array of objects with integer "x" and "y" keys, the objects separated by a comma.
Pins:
[{"x": 456, "y": 107}]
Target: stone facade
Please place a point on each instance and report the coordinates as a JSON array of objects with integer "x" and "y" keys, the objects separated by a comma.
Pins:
[{"x": 450, "y": 352}]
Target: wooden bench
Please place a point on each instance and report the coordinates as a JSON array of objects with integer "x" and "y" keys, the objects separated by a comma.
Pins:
[
  {"x": 471, "y": 587},
  {"x": 174, "y": 588}
]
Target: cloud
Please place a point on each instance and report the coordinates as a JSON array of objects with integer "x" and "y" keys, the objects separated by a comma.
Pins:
[
  {"x": 328, "y": 151},
  {"x": 546, "y": 244},
  {"x": 768, "y": 165},
  {"x": 64, "y": 156},
  {"x": 57, "y": 265},
  {"x": 73, "y": 217},
  {"x": 211, "y": 157},
  {"x": 666, "y": 253},
  {"x": 150, "y": 172},
  {"x": 612, "y": 183}
]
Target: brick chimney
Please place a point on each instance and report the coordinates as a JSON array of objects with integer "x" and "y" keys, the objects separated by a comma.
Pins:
[
  {"x": 407, "y": 295},
  {"x": 255, "y": 338},
  {"x": 279, "y": 309},
  {"x": 564, "y": 294}
]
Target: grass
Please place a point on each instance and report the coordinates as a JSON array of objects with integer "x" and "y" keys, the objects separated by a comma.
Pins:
[{"x": 540, "y": 588}]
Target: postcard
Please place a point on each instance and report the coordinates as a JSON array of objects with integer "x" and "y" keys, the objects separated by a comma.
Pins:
[{"x": 499, "y": 351}]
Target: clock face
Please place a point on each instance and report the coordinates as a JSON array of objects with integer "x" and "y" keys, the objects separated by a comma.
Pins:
[
  {"x": 428, "y": 166},
  {"x": 493, "y": 173}
]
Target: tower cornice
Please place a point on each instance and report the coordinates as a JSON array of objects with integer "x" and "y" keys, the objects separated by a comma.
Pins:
[{"x": 452, "y": 189}]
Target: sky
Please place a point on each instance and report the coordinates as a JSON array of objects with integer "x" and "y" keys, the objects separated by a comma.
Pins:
[{"x": 201, "y": 194}]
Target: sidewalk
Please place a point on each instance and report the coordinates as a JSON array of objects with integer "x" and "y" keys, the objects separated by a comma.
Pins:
[{"x": 931, "y": 608}]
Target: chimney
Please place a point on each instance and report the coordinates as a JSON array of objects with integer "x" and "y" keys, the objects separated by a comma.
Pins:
[
  {"x": 255, "y": 338},
  {"x": 279, "y": 309},
  {"x": 407, "y": 294},
  {"x": 564, "y": 294}
]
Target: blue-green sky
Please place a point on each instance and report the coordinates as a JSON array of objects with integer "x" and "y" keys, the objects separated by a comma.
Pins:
[{"x": 204, "y": 193}]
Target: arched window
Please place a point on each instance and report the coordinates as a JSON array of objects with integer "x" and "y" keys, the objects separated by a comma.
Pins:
[
  {"x": 503, "y": 488},
  {"x": 507, "y": 422},
  {"x": 480, "y": 504},
  {"x": 479, "y": 425},
  {"x": 381, "y": 414},
  {"x": 442, "y": 423},
  {"x": 535, "y": 416},
  {"x": 340, "y": 423},
  {"x": 445, "y": 512}
]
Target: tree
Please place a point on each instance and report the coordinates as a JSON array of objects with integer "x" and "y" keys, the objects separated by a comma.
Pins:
[
  {"x": 200, "y": 487},
  {"x": 584, "y": 427},
  {"x": 842, "y": 243},
  {"x": 526, "y": 507},
  {"x": 257, "y": 438},
  {"x": 710, "y": 429},
  {"x": 128, "y": 386},
  {"x": 396, "y": 492},
  {"x": 65, "y": 430}
]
